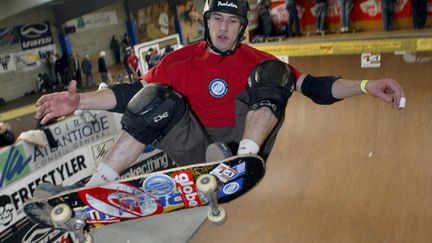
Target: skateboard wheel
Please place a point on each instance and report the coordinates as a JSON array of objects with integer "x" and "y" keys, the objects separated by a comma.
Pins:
[
  {"x": 206, "y": 183},
  {"x": 88, "y": 238},
  {"x": 60, "y": 214},
  {"x": 217, "y": 219}
]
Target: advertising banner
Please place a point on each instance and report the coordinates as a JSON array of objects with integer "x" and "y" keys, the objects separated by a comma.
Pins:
[
  {"x": 35, "y": 35},
  {"x": 7, "y": 63},
  {"x": 94, "y": 20},
  {"x": 8, "y": 36}
]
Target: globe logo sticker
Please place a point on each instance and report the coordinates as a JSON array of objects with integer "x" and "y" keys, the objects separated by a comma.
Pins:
[{"x": 218, "y": 88}]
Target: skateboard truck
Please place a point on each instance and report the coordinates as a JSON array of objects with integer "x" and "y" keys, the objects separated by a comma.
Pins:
[
  {"x": 207, "y": 184},
  {"x": 61, "y": 216}
]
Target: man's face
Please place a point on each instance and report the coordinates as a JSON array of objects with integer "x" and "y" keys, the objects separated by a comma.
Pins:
[{"x": 224, "y": 29}]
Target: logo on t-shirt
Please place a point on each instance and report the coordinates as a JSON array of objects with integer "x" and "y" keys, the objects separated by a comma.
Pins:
[{"x": 218, "y": 88}]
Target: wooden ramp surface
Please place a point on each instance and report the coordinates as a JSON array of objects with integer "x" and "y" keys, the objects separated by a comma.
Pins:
[{"x": 356, "y": 171}]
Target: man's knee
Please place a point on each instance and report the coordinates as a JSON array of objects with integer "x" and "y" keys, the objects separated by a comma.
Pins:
[
  {"x": 153, "y": 112},
  {"x": 270, "y": 84}
]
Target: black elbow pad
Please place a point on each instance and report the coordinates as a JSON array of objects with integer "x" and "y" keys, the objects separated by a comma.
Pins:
[
  {"x": 319, "y": 89},
  {"x": 124, "y": 93}
]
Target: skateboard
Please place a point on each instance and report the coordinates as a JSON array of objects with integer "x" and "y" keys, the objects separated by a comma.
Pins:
[{"x": 84, "y": 209}]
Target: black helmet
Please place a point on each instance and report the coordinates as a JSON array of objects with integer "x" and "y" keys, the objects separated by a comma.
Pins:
[{"x": 236, "y": 7}]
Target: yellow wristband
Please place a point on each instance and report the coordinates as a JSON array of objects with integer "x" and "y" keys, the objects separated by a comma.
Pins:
[{"x": 363, "y": 86}]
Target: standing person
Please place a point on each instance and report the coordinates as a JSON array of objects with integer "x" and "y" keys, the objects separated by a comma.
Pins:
[
  {"x": 387, "y": 14},
  {"x": 77, "y": 69},
  {"x": 103, "y": 71},
  {"x": 154, "y": 58},
  {"x": 264, "y": 7},
  {"x": 293, "y": 18},
  {"x": 58, "y": 67},
  {"x": 115, "y": 47},
  {"x": 86, "y": 67},
  {"x": 320, "y": 15},
  {"x": 133, "y": 63},
  {"x": 50, "y": 61},
  {"x": 345, "y": 7},
  {"x": 216, "y": 90},
  {"x": 126, "y": 64},
  {"x": 419, "y": 14},
  {"x": 125, "y": 43}
]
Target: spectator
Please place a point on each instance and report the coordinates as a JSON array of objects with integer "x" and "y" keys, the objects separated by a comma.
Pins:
[
  {"x": 345, "y": 14},
  {"x": 387, "y": 14},
  {"x": 154, "y": 58},
  {"x": 103, "y": 71},
  {"x": 320, "y": 15},
  {"x": 115, "y": 47},
  {"x": 265, "y": 25},
  {"x": 293, "y": 18},
  {"x": 126, "y": 64},
  {"x": 133, "y": 63},
  {"x": 419, "y": 14},
  {"x": 86, "y": 67}
]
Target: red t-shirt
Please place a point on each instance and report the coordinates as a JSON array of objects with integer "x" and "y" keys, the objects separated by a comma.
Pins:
[
  {"x": 133, "y": 62},
  {"x": 208, "y": 81}
]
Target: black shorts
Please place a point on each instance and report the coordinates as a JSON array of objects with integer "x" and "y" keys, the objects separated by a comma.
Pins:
[{"x": 187, "y": 141}]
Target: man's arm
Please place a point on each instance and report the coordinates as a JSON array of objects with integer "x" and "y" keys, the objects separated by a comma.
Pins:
[
  {"x": 63, "y": 103},
  {"x": 387, "y": 90}
]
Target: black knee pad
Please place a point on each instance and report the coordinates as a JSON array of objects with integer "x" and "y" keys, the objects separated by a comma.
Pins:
[
  {"x": 270, "y": 84},
  {"x": 152, "y": 112}
]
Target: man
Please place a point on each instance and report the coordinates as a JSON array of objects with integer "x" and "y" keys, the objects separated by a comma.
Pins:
[
  {"x": 387, "y": 13},
  {"x": 419, "y": 15},
  {"x": 320, "y": 15},
  {"x": 264, "y": 7},
  {"x": 345, "y": 7},
  {"x": 217, "y": 90},
  {"x": 103, "y": 71},
  {"x": 133, "y": 63},
  {"x": 293, "y": 18},
  {"x": 87, "y": 67}
]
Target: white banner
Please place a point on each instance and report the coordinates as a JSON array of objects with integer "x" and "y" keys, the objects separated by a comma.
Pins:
[
  {"x": 7, "y": 63},
  {"x": 27, "y": 60},
  {"x": 95, "y": 20}
]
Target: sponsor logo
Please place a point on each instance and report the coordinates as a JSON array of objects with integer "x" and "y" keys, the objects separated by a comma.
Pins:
[
  {"x": 35, "y": 35},
  {"x": 231, "y": 188},
  {"x": 159, "y": 185},
  {"x": 224, "y": 173},
  {"x": 36, "y": 234},
  {"x": 158, "y": 162},
  {"x": 34, "y": 30},
  {"x": 6, "y": 210},
  {"x": 226, "y": 4},
  {"x": 187, "y": 189},
  {"x": 14, "y": 165},
  {"x": 120, "y": 200},
  {"x": 158, "y": 118},
  {"x": 101, "y": 149},
  {"x": 218, "y": 88},
  {"x": 4, "y": 61}
]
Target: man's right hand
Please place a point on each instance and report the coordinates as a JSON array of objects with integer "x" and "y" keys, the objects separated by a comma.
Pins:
[{"x": 57, "y": 104}]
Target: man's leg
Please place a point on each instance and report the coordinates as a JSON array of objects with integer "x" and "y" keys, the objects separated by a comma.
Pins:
[{"x": 122, "y": 154}]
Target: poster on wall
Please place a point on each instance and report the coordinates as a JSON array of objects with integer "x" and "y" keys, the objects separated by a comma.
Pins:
[
  {"x": 27, "y": 60},
  {"x": 191, "y": 21},
  {"x": 154, "y": 21},
  {"x": 35, "y": 35},
  {"x": 94, "y": 20},
  {"x": 150, "y": 53},
  {"x": 8, "y": 36},
  {"x": 7, "y": 63}
]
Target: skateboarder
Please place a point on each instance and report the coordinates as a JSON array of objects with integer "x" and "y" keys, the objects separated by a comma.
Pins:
[{"x": 200, "y": 94}]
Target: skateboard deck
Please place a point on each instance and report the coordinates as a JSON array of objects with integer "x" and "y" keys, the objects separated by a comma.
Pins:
[{"x": 149, "y": 194}]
